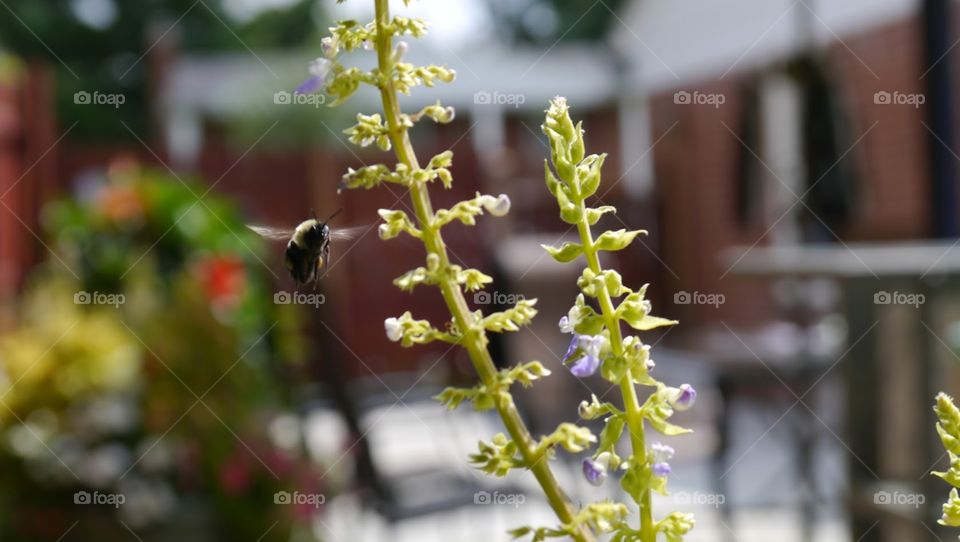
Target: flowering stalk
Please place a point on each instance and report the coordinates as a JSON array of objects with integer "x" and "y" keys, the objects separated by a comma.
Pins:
[
  {"x": 467, "y": 328},
  {"x": 598, "y": 343},
  {"x": 948, "y": 427}
]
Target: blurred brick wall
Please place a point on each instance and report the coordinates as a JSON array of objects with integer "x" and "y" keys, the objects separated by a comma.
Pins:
[
  {"x": 697, "y": 167},
  {"x": 28, "y": 172}
]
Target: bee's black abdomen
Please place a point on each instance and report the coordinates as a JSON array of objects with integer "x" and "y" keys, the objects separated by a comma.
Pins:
[{"x": 299, "y": 262}]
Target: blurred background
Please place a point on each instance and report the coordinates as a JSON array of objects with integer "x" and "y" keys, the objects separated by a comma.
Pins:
[{"x": 161, "y": 377}]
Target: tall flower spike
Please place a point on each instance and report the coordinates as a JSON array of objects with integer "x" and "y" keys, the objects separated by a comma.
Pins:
[
  {"x": 516, "y": 448},
  {"x": 598, "y": 343}
]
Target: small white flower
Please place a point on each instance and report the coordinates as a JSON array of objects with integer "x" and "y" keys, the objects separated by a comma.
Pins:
[
  {"x": 329, "y": 46},
  {"x": 401, "y": 50},
  {"x": 661, "y": 452},
  {"x": 394, "y": 331},
  {"x": 451, "y": 113},
  {"x": 383, "y": 231},
  {"x": 570, "y": 321},
  {"x": 496, "y": 206}
]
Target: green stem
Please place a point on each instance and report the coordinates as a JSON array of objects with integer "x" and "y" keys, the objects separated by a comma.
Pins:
[
  {"x": 631, "y": 403},
  {"x": 474, "y": 337}
]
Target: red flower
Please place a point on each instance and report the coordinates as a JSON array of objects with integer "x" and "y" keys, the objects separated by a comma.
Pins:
[{"x": 223, "y": 279}]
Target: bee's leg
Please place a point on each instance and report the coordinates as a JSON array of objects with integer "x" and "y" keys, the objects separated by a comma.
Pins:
[{"x": 324, "y": 258}]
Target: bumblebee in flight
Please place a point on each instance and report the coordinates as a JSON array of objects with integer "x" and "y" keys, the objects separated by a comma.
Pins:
[{"x": 308, "y": 246}]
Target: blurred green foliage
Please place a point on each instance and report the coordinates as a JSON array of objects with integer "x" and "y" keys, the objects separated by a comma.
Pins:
[{"x": 150, "y": 361}]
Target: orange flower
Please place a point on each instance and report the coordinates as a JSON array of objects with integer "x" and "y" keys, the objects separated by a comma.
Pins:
[{"x": 120, "y": 203}]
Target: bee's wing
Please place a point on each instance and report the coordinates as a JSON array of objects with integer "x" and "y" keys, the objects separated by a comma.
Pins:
[
  {"x": 346, "y": 234},
  {"x": 276, "y": 234}
]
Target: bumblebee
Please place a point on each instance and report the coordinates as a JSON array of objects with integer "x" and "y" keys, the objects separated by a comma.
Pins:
[{"x": 308, "y": 246}]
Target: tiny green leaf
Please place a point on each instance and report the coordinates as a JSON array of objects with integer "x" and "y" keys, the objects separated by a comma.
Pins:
[
  {"x": 565, "y": 254},
  {"x": 593, "y": 215},
  {"x": 616, "y": 240}
]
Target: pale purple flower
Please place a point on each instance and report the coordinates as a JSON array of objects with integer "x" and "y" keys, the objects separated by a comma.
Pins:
[
  {"x": 661, "y": 452},
  {"x": 496, "y": 206},
  {"x": 319, "y": 69},
  {"x": 684, "y": 397},
  {"x": 574, "y": 342},
  {"x": 310, "y": 85},
  {"x": 661, "y": 469},
  {"x": 594, "y": 471},
  {"x": 591, "y": 346},
  {"x": 659, "y": 455},
  {"x": 585, "y": 366}
]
